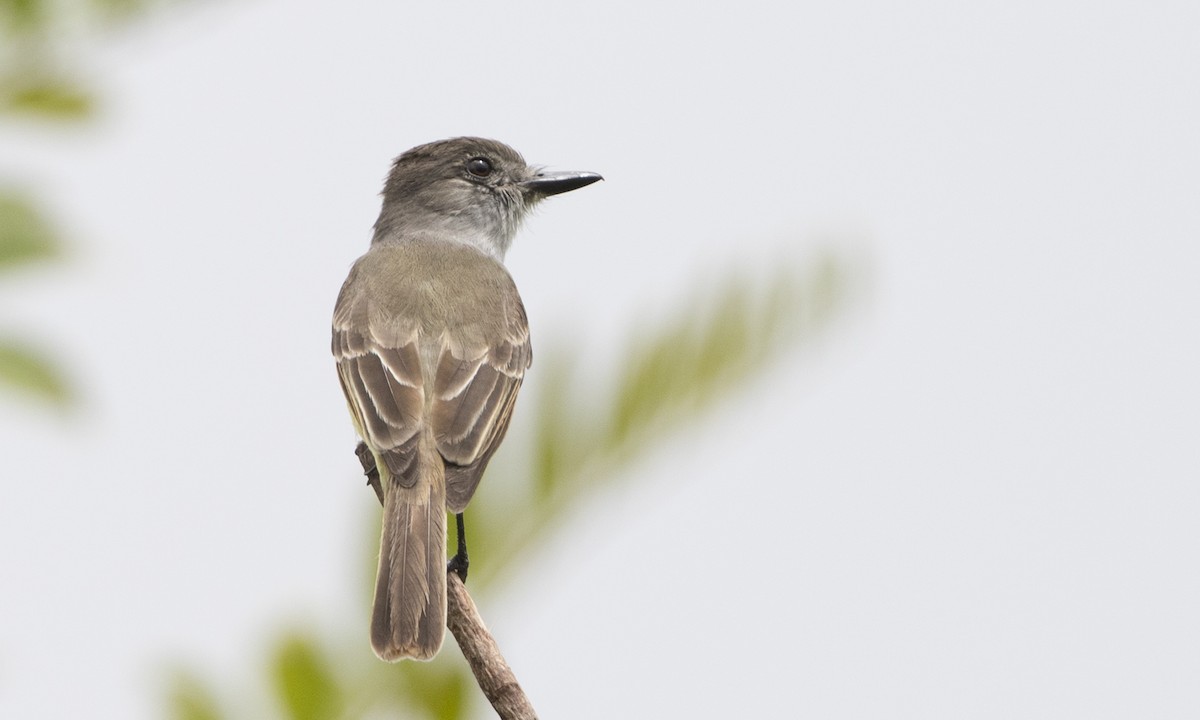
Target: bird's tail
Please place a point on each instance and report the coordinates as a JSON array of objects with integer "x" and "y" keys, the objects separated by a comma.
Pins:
[{"x": 409, "y": 615}]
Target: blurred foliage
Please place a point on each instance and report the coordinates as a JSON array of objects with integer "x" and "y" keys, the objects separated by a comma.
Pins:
[
  {"x": 23, "y": 15},
  {"x": 304, "y": 681},
  {"x": 25, "y": 235},
  {"x": 190, "y": 699},
  {"x": 29, "y": 370},
  {"x": 31, "y": 86},
  {"x": 674, "y": 372},
  {"x": 56, "y": 98},
  {"x": 38, "y": 81},
  {"x": 39, "y": 84},
  {"x": 34, "y": 81},
  {"x": 26, "y": 238}
]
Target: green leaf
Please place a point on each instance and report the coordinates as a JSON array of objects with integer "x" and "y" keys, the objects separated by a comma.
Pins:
[
  {"x": 27, "y": 370},
  {"x": 121, "y": 10},
  {"x": 24, "y": 234},
  {"x": 304, "y": 682},
  {"x": 440, "y": 688},
  {"x": 47, "y": 97},
  {"x": 724, "y": 334},
  {"x": 190, "y": 699},
  {"x": 22, "y": 15}
]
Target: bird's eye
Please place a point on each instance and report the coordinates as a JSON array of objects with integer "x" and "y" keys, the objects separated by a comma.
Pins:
[{"x": 479, "y": 167}]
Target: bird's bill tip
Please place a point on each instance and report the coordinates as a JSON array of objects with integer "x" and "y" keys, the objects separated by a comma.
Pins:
[{"x": 553, "y": 183}]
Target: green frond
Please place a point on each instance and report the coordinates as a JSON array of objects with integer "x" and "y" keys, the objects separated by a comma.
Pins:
[
  {"x": 190, "y": 699},
  {"x": 46, "y": 97},
  {"x": 719, "y": 338},
  {"x": 28, "y": 370},
  {"x": 304, "y": 682},
  {"x": 25, "y": 236}
]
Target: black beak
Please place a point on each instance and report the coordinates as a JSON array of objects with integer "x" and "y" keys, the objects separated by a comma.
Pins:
[{"x": 553, "y": 183}]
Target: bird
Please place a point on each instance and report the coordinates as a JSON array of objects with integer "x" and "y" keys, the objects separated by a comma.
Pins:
[{"x": 431, "y": 343}]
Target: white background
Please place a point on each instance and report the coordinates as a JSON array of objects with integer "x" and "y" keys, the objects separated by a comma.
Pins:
[{"x": 977, "y": 498}]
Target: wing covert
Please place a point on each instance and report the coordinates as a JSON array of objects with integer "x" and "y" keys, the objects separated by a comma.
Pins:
[
  {"x": 383, "y": 386},
  {"x": 473, "y": 402}
]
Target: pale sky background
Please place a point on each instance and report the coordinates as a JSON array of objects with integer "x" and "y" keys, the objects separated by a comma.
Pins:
[{"x": 976, "y": 498}]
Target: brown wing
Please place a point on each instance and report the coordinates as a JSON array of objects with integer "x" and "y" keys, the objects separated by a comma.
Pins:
[
  {"x": 456, "y": 312},
  {"x": 380, "y": 371},
  {"x": 475, "y": 389}
]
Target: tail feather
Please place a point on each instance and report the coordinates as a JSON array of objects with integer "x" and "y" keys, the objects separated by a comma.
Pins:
[{"x": 409, "y": 615}]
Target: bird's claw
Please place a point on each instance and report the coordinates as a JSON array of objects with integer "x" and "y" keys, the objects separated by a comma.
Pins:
[{"x": 458, "y": 565}]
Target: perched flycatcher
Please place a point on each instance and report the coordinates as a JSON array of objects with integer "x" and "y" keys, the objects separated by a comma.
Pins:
[{"x": 432, "y": 343}]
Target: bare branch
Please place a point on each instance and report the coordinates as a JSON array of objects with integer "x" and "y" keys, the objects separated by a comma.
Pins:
[{"x": 493, "y": 674}]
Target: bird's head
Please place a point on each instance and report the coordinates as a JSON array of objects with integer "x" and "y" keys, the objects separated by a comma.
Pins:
[{"x": 469, "y": 190}]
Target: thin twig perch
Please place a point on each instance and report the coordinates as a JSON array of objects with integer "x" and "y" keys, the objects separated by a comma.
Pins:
[{"x": 493, "y": 674}]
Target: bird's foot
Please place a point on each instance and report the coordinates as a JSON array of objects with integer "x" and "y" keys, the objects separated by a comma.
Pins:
[
  {"x": 367, "y": 458},
  {"x": 458, "y": 565}
]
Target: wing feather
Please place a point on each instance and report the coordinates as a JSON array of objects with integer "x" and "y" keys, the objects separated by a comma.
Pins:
[
  {"x": 383, "y": 385},
  {"x": 471, "y": 414},
  {"x": 455, "y": 369}
]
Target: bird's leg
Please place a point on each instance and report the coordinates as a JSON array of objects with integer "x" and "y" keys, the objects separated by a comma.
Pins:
[
  {"x": 367, "y": 458},
  {"x": 458, "y": 563}
]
